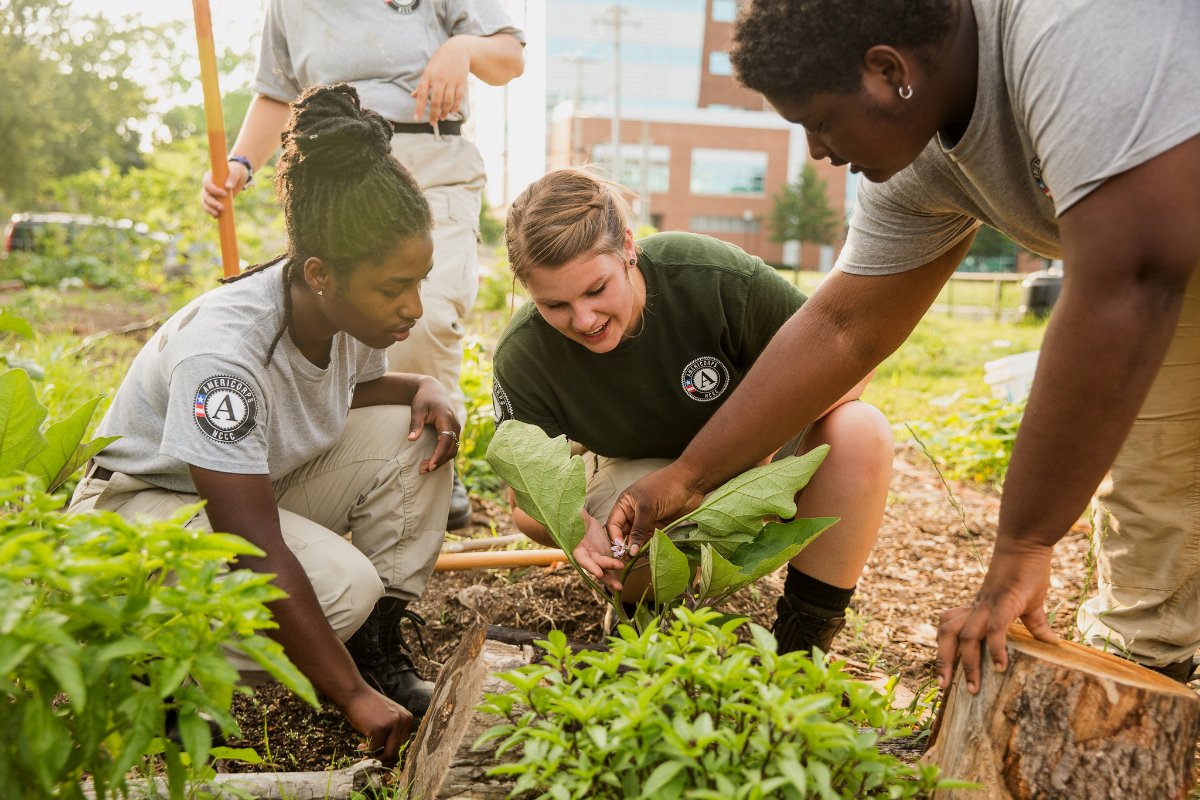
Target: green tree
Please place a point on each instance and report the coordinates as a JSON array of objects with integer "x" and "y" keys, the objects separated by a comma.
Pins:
[
  {"x": 67, "y": 98},
  {"x": 802, "y": 211}
]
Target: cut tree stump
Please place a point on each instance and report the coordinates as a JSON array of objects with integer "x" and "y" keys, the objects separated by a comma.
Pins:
[
  {"x": 440, "y": 762},
  {"x": 1066, "y": 721}
]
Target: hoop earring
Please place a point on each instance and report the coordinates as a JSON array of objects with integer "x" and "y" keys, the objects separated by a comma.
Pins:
[{"x": 905, "y": 92}]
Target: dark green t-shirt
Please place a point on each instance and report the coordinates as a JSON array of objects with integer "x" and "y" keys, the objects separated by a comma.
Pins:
[{"x": 710, "y": 310}]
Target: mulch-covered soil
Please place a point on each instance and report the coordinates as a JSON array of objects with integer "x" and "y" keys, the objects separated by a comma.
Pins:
[{"x": 931, "y": 556}]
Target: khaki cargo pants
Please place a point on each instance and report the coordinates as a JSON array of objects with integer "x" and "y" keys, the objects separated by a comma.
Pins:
[
  {"x": 1147, "y": 518},
  {"x": 450, "y": 172},
  {"x": 368, "y": 484}
]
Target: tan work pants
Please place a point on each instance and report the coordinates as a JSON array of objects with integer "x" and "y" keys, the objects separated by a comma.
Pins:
[
  {"x": 1147, "y": 517},
  {"x": 368, "y": 486},
  {"x": 450, "y": 172}
]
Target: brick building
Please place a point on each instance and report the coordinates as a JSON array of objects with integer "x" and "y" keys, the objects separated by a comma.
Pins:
[{"x": 702, "y": 153}]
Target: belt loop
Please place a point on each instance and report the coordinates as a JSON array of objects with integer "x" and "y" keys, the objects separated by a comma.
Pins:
[{"x": 437, "y": 134}]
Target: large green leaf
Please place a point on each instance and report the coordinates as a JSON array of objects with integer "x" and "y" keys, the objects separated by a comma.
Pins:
[
  {"x": 739, "y": 505},
  {"x": 546, "y": 478},
  {"x": 717, "y": 575},
  {"x": 21, "y": 417},
  {"x": 778, "y": 544},
  {"x": 65, "y": 450},
  {"x": 670, "y": 573},
  {"x": 11, "y": 323},
  {"x": 692, "y": 537}
]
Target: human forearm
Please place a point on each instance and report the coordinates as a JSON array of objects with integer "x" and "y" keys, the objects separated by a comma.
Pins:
[
  {"x": 392, "y": 388},
  {"x": 842, "y": 333},
  {"x": 495, "y": 59},
  {"x": 244, "y": 505},
  {"x": 1100, "y": 355},
  {"x": 259, "y": 137}
]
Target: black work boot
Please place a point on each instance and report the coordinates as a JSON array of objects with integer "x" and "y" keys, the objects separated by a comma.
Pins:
[
  {"x": 801, "y": 626},
  {"x": 1182, "y": 671},
  {"x": 460, "y": 506},
  {"x": 382, "y": 656}
]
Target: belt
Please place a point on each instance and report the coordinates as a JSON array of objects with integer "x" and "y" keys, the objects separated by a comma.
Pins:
[
  {"x": 97, "y": 472},
  {"x": 452, "y": 127}
]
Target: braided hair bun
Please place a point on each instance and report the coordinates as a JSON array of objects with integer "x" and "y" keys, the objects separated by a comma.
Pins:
[
  {"x": 346, "y": 199},
  {"x": 331, "y": 130}
]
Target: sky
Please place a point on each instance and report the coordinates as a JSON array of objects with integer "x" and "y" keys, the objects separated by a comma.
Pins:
[{"x": 514, "y": 157}]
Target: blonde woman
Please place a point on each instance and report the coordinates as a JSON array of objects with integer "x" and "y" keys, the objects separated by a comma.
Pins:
[{"x": 628, "y": 348}]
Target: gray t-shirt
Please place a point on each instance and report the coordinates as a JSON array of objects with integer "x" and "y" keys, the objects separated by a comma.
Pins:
[
  {"x": 199, "y": 392},
  {"x": 1071, "y": 93},
  {"x": 379, "y": 49}
]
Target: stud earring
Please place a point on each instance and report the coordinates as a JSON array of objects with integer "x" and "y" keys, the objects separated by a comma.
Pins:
[
  {"x": 905, "y": 92},
  {"x": 632, "y": 262},
  {"x": 320, "y": 293}
]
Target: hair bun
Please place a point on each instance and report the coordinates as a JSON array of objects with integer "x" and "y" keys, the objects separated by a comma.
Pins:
[{"x": 331, "y": 131}]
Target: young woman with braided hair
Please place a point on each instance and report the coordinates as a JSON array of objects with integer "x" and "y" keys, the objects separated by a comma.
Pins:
[{"x": 269, "y": 399}]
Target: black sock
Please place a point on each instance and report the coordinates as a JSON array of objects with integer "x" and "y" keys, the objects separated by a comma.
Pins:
[{"x": 817, "y": 592}]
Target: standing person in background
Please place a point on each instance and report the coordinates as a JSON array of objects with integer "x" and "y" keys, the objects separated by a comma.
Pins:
[
  {"x": 1075, "y": 129},
  {"x": 268, "y": 398},
  {"x": 409, "y": 61}
]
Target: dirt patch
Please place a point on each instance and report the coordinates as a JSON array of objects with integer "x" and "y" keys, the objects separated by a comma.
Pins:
[{"x": 931, "y": 555}]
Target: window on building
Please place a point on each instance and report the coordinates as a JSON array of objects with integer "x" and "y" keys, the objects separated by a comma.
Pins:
[
  {"x": 707, "y": 224},
  {"x": 718, "y": 63},
  {"x": 658, "y": 165},
  {"x": 724, "y": 172},
  {"x": 724, "y": 10}
]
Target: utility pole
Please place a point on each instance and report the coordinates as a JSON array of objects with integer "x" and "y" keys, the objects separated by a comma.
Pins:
[
  {"x": 614, "y": 17},
  {"x": 578, "y": 150}
]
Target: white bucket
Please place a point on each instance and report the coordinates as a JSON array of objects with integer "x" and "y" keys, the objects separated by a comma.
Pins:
[{"x": 1012, "y": 376}]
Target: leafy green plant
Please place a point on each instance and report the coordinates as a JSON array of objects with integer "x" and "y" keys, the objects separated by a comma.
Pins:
[
  {"x": 50, "y": 455},
  {"x": 110, "y": 629},
  {"x": 480, "y": 425},
  {"x": 690, "y": 711},
  {"x": 731, "y": 540},
  {"x": 974, "y": 443}
]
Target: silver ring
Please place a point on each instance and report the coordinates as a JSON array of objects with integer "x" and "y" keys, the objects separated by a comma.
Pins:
[{"x": 448, "y": 433}]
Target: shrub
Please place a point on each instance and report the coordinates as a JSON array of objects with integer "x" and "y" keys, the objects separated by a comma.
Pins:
[
  {"x": 112, "y": 635},
  {"x": 690, "y": 711},
  {"x": 976, "y": 442}
]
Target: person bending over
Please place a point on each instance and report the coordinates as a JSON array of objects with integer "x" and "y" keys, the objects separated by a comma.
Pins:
[
  {"x": 268, "y": 398},
  {"x": 628, "y": 348}
]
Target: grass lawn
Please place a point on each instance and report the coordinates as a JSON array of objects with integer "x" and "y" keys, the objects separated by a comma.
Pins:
[{"x": 940, "y": 366}]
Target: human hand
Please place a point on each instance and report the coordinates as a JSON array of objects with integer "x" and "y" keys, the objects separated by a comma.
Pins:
[
  {"x": 386, "y": 724},
  {"x": 1015, "y": 586},
  {"x": 431, "y": 406},
  {"x": 444, "y": 81},
  {"x": 595, "y": 553},
  {"x": 212, "y": 196},
  {"x": 659, "y": 498}
]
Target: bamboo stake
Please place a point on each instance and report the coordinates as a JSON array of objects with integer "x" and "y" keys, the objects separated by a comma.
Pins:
[
  {"x": 450, "y": 562},
  {"x": 483, "y": 543},
  {"x": 214, "y": 121}
]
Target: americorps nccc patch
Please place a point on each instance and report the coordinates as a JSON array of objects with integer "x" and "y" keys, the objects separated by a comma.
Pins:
[{"x": 225, "y": 409}]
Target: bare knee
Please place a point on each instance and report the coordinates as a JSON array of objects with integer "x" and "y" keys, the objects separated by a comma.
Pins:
[{"x": 856, "y": 432}]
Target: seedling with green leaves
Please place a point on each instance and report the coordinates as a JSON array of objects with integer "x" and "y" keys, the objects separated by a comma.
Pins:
[{"x": 731, "y": 540}]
